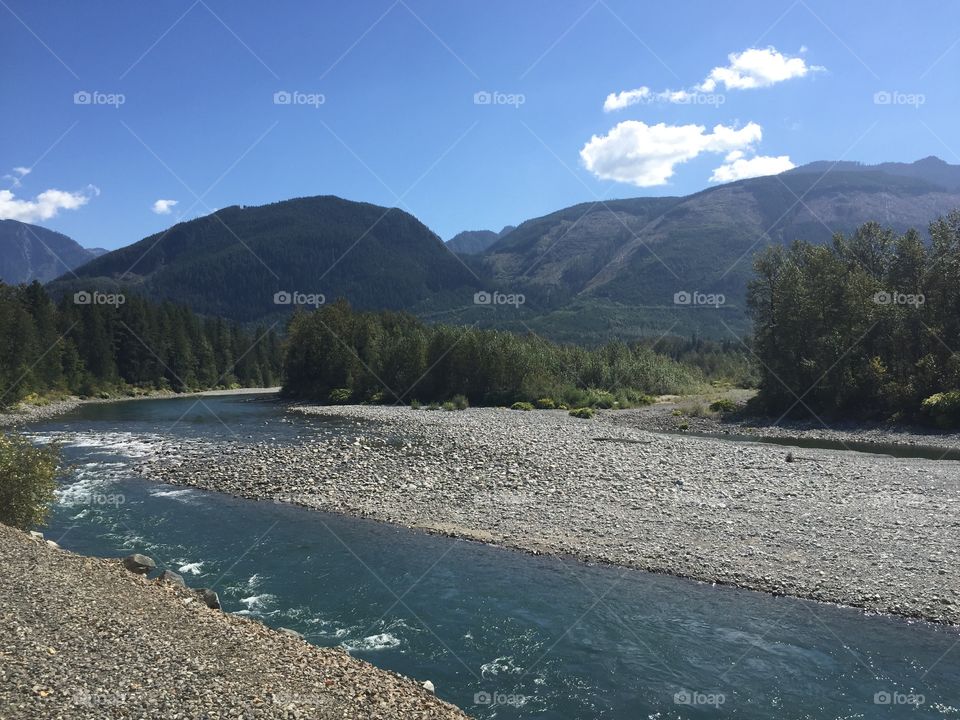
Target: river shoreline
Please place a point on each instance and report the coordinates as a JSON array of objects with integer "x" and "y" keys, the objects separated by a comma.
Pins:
[
  {"x": 84, "y": 637},
  {"x": 27, "y": 413},
  {"x": 873, "y": 532}
]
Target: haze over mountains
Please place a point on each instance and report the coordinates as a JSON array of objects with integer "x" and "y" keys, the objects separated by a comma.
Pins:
[
  {"x": 586, "y": 272},
  {"x": 30, "y": 252}
]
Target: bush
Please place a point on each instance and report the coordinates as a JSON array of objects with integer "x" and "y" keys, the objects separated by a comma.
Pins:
[
  {"x": 449, "y": 406},
  {"x": 460, "y": 402},
  {"x": 27, "y": 481},
  {"x": 414, "y": 404},
  {"x": 583, "y": 413},
  {"x": 546, "y": 404},
  {"x": 943, "y": 408},
  {"x": 340, "y": 396},
  {"x": 376, "y": 398},
  {"x": 723, "y": 405},
  {"x": 521, "y": 406},
  {"x": 433, "y": 406}
]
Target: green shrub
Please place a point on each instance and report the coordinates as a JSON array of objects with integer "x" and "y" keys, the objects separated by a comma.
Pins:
[
  {"x": 943, "y": 408},
  {"x": 684, "y": 426},
  {"x": 340, "y": 396},
  {"x": 546, "y": 404},
  {"x": 433, "y": 406},
  {"x": 460, "y": 402},
  {"x": 377, "y": 398},
  {"x": 521, "y": 406},
  {"x": 724, "y": 405},
  {"x": 414, "y": 404},
  {"x": 449, "y": 406},
  {"x": 584, "y": 413},
  {"x": 27, "y": 481}
]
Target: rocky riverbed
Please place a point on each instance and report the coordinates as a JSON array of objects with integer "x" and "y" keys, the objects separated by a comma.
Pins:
[
  {"x": 870, "y": 531},
  {"x": 84, "y": 637},
  {"x": 677, "y": 415}
]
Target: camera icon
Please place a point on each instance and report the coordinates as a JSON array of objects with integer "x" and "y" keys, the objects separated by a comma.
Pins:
[
  {"x": 882, "y": 698},
  {"x": 82, "y": 298},
  {"x": 482, "y": 298},
  {"x": 282, "y": 297},
  {"x": 482, "y": 698},
  {"x": 682, "y": 298},
  {"x": 682, "y": 698},
  {"x": 882, "y": 298},
  {"x": 282, "y": 97},
  {"x": 882, "y": 97},
  {"x": 82, "y": 97},
  {"x": 482, "y": 98}
]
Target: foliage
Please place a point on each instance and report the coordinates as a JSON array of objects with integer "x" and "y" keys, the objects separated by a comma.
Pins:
[
  {"x": 546, "y": 404},
  {"x": 460, "y": 402},
  {"x": 943, "y": 408},
  {"x": 449, "y": 406},
  {"x": 340, "y": 396},
  {"x": 522, "y": 405},
  {"x": 415, "y": 404},
  {"x": 723, "y": 405},
  {"x": 583, "y": 413},
  {"x": 867, "y": 327},
  {"x": 337, "y": 347},
  {"x": 27, "y": 481},
  {"x": 96, "y": 349}
]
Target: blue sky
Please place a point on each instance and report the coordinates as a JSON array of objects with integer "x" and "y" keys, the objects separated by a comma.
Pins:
[{"x": 399, "y": 125}]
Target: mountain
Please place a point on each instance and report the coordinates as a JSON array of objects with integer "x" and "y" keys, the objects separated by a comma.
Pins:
[
  {"x": 30, "y": 252},
  {"x": 234, "y": 262},
  {"x": 614, "y": 267},
  {"x": 471, "y": 242}
]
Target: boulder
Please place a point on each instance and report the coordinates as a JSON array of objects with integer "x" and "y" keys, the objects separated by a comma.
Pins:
[
  {"x": 139, "y": 564},
  {"x": 428, "y": 686},
  {"x": 171, "y": 577},
  {"x": 209, "y": 597},
  {"x": 38, "y": 536},
  {"x": 291, "y": 633}
]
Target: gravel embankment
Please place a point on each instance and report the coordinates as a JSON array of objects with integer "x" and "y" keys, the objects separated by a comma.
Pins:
[
  {"x": 870, "y": 531},
  {"x": 83, "y": 637},
  {"x": 23, "y": 414},
  {"x": 660, "y": 418}
]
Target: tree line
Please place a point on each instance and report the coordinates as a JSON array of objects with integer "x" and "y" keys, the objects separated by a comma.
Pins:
[
  {"x": 867, "y": 326},
  {"x": 341, "y": 355},
  {"x": 90, "y": 343}
]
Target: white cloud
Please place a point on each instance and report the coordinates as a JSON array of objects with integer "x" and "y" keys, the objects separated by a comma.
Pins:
[
  {"x": 618, "y": 101},
  {"x": 752, "y": 68},
  {"x": 18, "y": 172},
  {"x": 756, "y": 68},
  {"x": 737, "y": 167},
  {"x": 45, "y": 205},
  {"x": 646, "y": 155},
  {"x": 163, "y": 207}
]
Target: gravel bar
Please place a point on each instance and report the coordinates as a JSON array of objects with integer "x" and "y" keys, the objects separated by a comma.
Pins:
[
  {"x": 869, "y": 531},
  {"x": 85, "y": 638}
]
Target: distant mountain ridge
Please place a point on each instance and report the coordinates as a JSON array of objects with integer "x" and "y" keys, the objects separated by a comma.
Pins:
[
  {"x": 471, "y": 242},
  {"x": 30, "y": 252},
  {"x": 586, "y": 273},
  {"x": 234, "y": 262}
]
